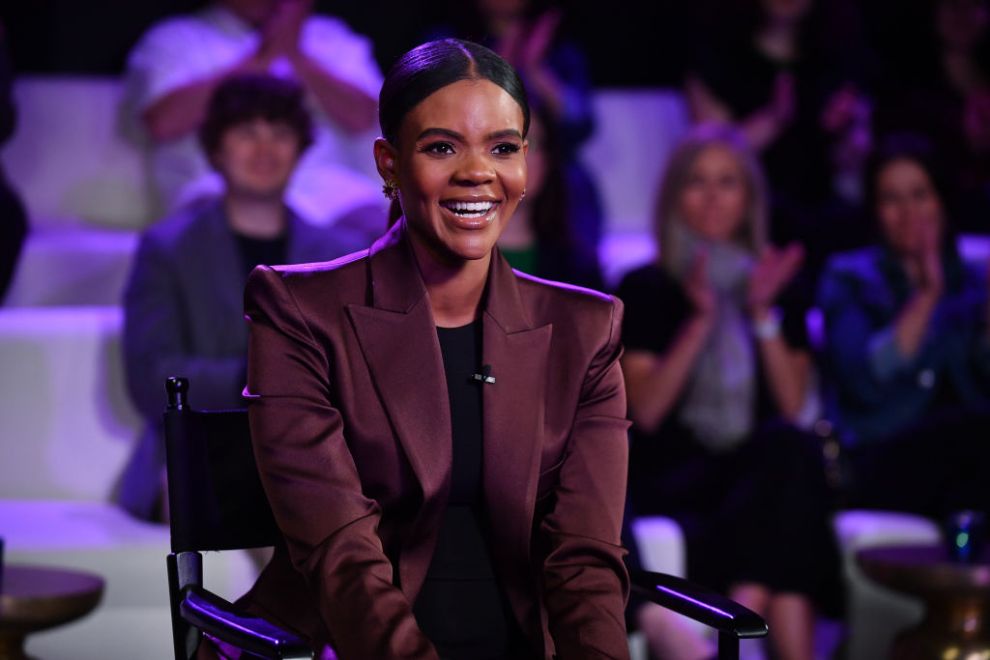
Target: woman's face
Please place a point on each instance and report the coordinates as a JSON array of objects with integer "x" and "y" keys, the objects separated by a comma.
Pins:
[
  {"x": 257, "y": 157},
  {"x": 460, "y": 165},
  {"x": 786, "y": 10},
  {"x": 907, "y": 205},
  {"x": 961, "y": 23},
  {"x": 714, "y": 199},
  {"x": 504, "y": 9}
]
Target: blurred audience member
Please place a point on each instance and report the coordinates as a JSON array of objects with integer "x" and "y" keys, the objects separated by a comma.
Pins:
[
  {"x": 13, "y": 219},
  {"x": 791, "y": 75},
  {"x": 940, "y": 86},
  {"x": 183, "y": 310},
  {"x": 554, "y": 69},
  {"x": 540, "y": 239},
  {"x": 908, "y": 346},
  {"x": 717, "y": 369},
  {"x": 178, "y": 63}
]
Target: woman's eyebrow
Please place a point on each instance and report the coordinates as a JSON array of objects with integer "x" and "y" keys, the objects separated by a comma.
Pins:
[
  {"x": 454, "y": 135},
  {"x": 442, "y": 132},
  {"x": 508, "y": 132}
]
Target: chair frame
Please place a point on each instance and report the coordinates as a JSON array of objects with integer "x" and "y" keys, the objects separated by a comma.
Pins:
[{"x": 196, "y": 611}]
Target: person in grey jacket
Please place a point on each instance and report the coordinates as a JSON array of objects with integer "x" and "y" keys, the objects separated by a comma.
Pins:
[{"x": 183, "y": 310}]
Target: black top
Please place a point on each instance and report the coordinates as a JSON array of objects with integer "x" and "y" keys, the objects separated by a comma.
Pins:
[
  {"x": 656, "y": 307},
  {"x": 260, "y": 251},
  {"x": 461, "y": 607},
  {"x": 461, "y": 348}
]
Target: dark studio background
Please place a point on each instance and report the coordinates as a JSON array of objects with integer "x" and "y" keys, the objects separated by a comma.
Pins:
[{"x": 629, "y": 44}]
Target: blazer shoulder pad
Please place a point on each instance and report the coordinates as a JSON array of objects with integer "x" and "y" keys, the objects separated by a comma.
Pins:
[{"x": 548, "y": 300}]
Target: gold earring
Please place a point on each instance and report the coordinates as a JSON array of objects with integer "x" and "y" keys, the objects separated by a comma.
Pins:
[{"x": 390, "y": 189}]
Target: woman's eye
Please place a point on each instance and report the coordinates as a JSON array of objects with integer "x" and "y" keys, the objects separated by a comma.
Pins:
[
  {"x": 441, "y": 148},
  {"x": 505, "y": 149}
]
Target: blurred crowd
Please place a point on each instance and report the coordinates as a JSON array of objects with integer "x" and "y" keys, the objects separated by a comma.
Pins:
[{"x": 832, "y": 169}]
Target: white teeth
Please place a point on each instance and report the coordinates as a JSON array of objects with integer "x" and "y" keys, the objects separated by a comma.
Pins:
[{"x": 471, "y": 209}]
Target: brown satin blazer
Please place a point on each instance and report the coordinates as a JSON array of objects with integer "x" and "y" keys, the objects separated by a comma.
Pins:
[{"x": 351, "y": 425}]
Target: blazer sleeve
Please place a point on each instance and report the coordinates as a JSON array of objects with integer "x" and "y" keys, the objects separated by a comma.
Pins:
[
  {"x": 313, "y": 485},
  {"x": 154, "y": 348},
  {"x": 585, "y": 579}
]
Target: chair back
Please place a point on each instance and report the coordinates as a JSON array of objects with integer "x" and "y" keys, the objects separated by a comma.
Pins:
[{"x": 216, "y": 501}]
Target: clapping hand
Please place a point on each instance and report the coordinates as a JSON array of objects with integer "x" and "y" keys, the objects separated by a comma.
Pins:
[
  {"x": 525, "y": 46},
  {"x": 775, "y": 268},
  {"x": 929, "y": 261},
  {"x": 537, "y": 43},
  {"x": 845, "y": 109},
  {"x": 847, "y": 118},
  {"x": 280, "y": 33}
]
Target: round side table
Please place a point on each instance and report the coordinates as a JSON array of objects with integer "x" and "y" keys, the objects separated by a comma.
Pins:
[
  {"x": 34, "y": 598},
  {"x": 956, "y": 597}
]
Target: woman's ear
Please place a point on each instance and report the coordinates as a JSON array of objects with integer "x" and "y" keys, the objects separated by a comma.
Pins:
[{"x": 385, "y": 157}]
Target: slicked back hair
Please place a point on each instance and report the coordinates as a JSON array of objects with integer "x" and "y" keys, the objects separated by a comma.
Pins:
[{"x": 434, "y": 65}]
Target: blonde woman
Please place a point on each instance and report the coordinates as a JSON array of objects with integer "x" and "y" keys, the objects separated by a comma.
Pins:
[{"x": 716, "y": 369}]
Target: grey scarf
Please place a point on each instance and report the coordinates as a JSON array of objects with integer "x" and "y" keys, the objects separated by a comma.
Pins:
[{"x": 719, "y": 402}]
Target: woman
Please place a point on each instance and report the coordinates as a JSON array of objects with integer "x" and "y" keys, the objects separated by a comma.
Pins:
[
  {"x": 716, "y": 357},
  {"x": 442, "y": 441},
  {"x": 909, "y": 347},
  {"x": 773, "y": 69},
  {"x": 542, "y": 240},
  {"x": 529, "y": 34},
  {"x": 938, "y": 83}
]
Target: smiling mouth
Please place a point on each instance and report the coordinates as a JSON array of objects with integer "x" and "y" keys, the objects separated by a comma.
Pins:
[{"x": 469, "y": 210}]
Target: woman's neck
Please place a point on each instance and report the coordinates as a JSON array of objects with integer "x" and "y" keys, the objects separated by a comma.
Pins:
[
  {"x": 454, "y": 289},
  {"x": 255, "y": 217}
]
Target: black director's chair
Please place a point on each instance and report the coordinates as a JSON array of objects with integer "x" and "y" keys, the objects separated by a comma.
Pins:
[{"x": 217, "y": 503}]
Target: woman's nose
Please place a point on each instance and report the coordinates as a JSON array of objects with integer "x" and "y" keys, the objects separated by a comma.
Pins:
[{"x": 474, "y": 170}]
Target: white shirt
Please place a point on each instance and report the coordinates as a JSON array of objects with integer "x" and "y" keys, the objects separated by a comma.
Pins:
[{"x": 329, "y": 180}]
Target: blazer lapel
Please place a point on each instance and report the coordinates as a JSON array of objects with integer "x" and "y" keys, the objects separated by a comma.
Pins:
[
  {"x": 399, "y": 341},
  {"x": 513, "y": 411}
]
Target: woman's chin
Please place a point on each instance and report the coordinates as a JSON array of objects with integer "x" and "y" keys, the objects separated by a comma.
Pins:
[
  {"x": 470, "y": 245},
  {"x": 458, "y": 252},
  {"x": 473, "y": 251}
]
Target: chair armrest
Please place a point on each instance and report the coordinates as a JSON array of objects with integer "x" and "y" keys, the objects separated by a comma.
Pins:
[
  {"x": 218, "y": 618},
  {"x": 695, "y": 602}
]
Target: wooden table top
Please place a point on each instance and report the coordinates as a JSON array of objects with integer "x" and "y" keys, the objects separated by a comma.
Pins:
[
  {"x": 925, "y": 569},
  {"x": 37, "y": 597}
]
